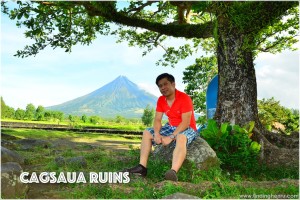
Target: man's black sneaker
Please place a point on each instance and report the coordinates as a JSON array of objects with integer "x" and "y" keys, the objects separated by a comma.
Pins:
[
  {"x": 171, "y": 175},
  {"x": 138, "y": 170}
]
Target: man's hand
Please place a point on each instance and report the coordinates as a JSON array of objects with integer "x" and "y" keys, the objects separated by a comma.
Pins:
[
  {"x": 157, "y": 138},
  {"x": 166, "y": 140}
]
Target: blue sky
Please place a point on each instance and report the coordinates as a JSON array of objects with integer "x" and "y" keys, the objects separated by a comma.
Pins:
[{"x": 53, "y": 76}]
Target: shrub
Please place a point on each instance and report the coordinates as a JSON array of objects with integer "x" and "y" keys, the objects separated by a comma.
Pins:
[
  {"x": 148, "y": 116},
  {"x": 232, "y": 144},
  {"x": 271, "y": 112}
]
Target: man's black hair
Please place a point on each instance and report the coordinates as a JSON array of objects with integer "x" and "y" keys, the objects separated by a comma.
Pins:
[{"x": 165, "y": 75}]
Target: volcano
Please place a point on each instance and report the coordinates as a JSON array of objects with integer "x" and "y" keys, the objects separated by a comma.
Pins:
[{"x": 119, "y": 97}]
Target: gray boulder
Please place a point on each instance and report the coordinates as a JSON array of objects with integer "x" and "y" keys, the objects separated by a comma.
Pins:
[
  {"x": 11, "y": 186},
  {"x": 9, "y": 144},
  {"x": 10, "y": 156},
  {"x": 79, "y": 161},
  {"x": 198, "y": 152},
  {"x": 31, "y": 144},
  {"x": 60, "y": 161},
  {"x": 8, "y": 137}
]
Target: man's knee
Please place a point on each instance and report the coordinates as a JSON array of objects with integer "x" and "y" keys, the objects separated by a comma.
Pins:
[
  {"x": 181, "y": 139},
  {"x": 147, "y": 134}
]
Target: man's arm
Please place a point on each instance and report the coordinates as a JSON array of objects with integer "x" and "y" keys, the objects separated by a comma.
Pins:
[
  {"x": 185, "y": 123},
  {"x": 157, "y": 126}
]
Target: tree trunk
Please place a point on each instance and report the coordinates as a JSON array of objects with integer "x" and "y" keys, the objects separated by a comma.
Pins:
[{"x": 237, "y": 97}]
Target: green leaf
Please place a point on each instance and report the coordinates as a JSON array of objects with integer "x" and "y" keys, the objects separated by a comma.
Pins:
[
  {"x": 20, "y": 15},
  {"x": 210, "y": 133},
  {"x": 268, "y": 127},
  {"x": 213, "y": 126},
  {"x": 224, "y": 127},
  {"x": 243, "y": 130},
  {"x": 255, "y": 147},
  {"x": 251, "y": 124},
  {"x": 236, "y": 128}
]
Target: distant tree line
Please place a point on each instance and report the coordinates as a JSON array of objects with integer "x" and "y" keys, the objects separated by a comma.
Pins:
[
  {"x": 271, "y": 114},
  {"x": 31, "y": 113}
]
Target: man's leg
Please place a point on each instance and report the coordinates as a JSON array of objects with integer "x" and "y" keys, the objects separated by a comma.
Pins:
[
  {"x": 146, "y": 146},
  {"x": 179, "y": 152},
  {"x": 179, "y": 155}
]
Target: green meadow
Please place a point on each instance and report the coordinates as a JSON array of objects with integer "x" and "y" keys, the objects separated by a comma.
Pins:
[{"x": 112, "y": 153}]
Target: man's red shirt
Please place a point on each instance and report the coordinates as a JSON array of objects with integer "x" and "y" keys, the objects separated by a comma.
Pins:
[{"x": 182, "y": 104}]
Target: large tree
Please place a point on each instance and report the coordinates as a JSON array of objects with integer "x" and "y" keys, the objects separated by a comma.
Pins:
[{"x": 239, "y": 30}]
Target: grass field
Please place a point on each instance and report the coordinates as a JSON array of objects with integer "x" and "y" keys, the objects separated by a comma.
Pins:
[
  {"x": 215, "y": 183},
  {"x": 105, "y": 124}
]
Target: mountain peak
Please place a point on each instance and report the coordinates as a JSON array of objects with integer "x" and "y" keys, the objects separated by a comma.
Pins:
[
  {"x": 120, "y": 81},
  {"x": 121, "y": 78},
  {"x": 119, "y": 97}
]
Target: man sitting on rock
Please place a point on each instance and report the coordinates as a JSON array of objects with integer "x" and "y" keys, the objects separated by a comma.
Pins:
[{"x": 181, "y": 127}]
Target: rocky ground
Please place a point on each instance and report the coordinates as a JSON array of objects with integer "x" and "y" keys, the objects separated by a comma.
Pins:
[{"x": 13, "y": 163}]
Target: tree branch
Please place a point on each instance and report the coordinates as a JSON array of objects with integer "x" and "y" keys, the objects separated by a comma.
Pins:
[
  {"x": 278, "y": 42},
  {"x": 186, "y": 30}
]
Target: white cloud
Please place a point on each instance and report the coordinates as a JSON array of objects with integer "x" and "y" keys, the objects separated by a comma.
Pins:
[
  {"x": 278, "y": 77},
  {"x": 150, "y": 88}
]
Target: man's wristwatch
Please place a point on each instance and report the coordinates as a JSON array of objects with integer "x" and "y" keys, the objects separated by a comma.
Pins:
[{"x": 173, "y": 137}]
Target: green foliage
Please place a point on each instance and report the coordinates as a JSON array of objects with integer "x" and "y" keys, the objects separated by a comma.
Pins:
[
  {"x": 30, "y": 111},
  {"x": 148, "y": 116},
  {"x": 20, "y": 114},
  {"x": 168, "y": 189},
  {"x": 74, "y": 121},
  {"x": 270, "y": 111},
  {"x": 119, "y": 119},
  {"x": 40, "y": 113},
  {"x": 280, "y": 35},
  {"x": 71, "y": 24},
  {"x": 6, "y": 111},
  {"x": 65, "y": 24},
  {"x": 51, "y": 115},
  {"x": 197, "y": 77},
  {"x": 84, "y": 118},
  {"x": 232, "y": 144},
  {"x": 71, "y": 118},
  {"x": 95, "y": 119}
]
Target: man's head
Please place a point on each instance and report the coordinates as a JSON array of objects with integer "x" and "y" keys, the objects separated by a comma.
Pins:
[
  {"x": 166, "y": 84},
  {"x": 169, "y": 77}
]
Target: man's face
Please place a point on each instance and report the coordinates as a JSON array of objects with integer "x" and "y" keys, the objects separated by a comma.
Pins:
[{"x": 166, "y": 88}]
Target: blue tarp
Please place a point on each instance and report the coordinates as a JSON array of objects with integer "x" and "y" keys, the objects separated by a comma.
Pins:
[
  {"x": 211, "y": 100},
  {"x": 212, "y": 97}
]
